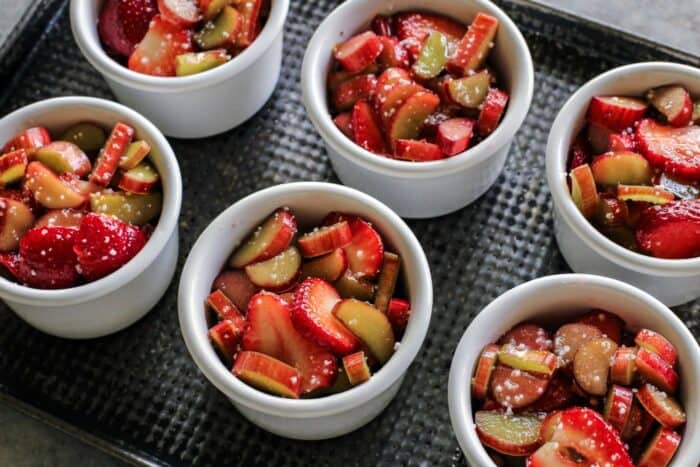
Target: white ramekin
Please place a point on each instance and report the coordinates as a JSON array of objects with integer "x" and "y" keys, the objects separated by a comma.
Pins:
[
  {"x": 121, "y": 298},
  {"x": 557, "y": 299},
  {"x": 194, "y": 106},
  {"x": 413, "y": 189},
  {"x": 309, "y": 419},
  {"x": 586, "y": 250}
]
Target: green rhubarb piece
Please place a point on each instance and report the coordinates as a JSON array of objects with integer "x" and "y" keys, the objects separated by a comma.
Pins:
[
  {"x": 134, "y": 209},
  {"x": 470, "y": 91},
  {"x": 196, "y": 62},
  {"x": 87, "y": 136},
  {"x": 221, "y": 31},
  {"x": 432, "y": 57}
]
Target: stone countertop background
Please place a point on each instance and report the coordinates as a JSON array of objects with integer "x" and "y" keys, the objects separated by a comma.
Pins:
[{"x": 25, "y": 442}]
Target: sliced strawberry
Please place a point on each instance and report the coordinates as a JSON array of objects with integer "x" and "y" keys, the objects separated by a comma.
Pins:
[
  {"x": 344, "y": 123},
  {"x": 516, "y": 388},
  {"x": 325, "y": 240},
  {"x": 576, "y": 429},
  {"x": 622, "y": 142},
  {"x": 237, "y": 287},
  {"x": 670, "y": 230},
  {"x": 660, "y": 449},
  {"x": 399, "y": 312},
  {"x": 366, "y": 250},
  {"x": 270, "y": 331},
  {"x": 656, "y": 343},
  {"x": 381, "y": 25},
  {"x": 417, "y": 150},
  {"x": 108, "y": 160},
  {"x": 454, "y": 135},
  {"x": 155, "y": 54},
  {"x": 347, "y": 94},
  {"x": 30, "y": 140},
  {"x": 225, "y": 309},
  {"x": 393, "y": 54},
  {"x": 609, "y": 324},
  {"x": 673, "y": 102},
  {"x": 551, "y": 455},
  {"x": 251, "y": 11},
  {"x": 491, "y": 112},
  {"x": 558, "y": 395},
  {"x": 312, "y": 315},
  {"x": 660, "y": 405},
  {"x": 183, "y": 13},
  {"x": 514, "y": 435},
  {"x": 474, "y": 46},
  {"x": 674, "y": 150},
  {"x": 271, "y": 238},
  {"x": 618, "y": 406},
  {"x": 656, "y": 370},
  {"x": 359, "y": 51},
  {"x": 417, "y": 27},
  {"x": 268, "y": 374},
  {"x": 528, "y": 336},
  {"x": 103, "y": 244},
  {"x": 226, "y": 336},
  {"x": 366, "y": 130},
  {"x": 484, "y": 368},
  {"x": 615, "y": 113}
]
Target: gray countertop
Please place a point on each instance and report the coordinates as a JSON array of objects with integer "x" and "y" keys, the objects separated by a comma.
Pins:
[{"x": 25, "y": 442}]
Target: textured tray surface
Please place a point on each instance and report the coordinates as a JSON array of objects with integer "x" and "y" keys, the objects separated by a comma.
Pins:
[{"x": 139, "y": 392}]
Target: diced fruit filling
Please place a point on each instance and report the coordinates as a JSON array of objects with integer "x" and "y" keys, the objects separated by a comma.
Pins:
[
  {"x": 579, "y": 394},
  {"x": 178, "y": 37},
  {"x": 69, "y": 213},
  {"x": 312, "y": 314},
  {"x": 634, "y": 170},
  {"x": 391, "y": 86}
]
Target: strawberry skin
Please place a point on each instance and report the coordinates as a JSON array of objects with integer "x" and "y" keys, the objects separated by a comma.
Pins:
[
  {"x": 674, "y": 150},
  {"x": 366, "y": 250},
  {"x": 123, "y": 23},
  {"x": 104, "y": 244},
  {"x": 155, "y": 54},
  {"x": 670, "y": 230},
  {"x": 312, "y": 315},
  {"x": 270, "y": 331}
]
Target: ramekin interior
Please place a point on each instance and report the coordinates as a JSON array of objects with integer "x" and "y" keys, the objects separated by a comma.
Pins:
[
  {"x": 630, "y": 80},
  {"x": 84, "y": 14},
  {"x": 555, "y": 299},
  {"x": 511, "y": 56},
  {"x": 310, "y": 202},
  {"x": 59, "y": 113}
]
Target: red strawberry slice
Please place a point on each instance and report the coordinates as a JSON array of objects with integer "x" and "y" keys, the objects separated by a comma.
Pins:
[
  {"x": 359, "y": 51},
  {"x": 528, "y": 336},
  {"x": 344, "y": 123},
  {"x": 551, "y": 455},
  {"x": 590, "y": 436},
  {"x": 624, "y": 142},
  {"x": 491, "y": 111},
  {"x": 312, "y": 315},
  {"x": 123, "y": 23},
  {"x": 615, "y": 113},
  {"x": 609, "y": 324},
  {"x": 30, "y": 140},
  {"x": 454, "y": 135},
  {"x": 108, "y": 160},
  {"x": 381, "y": 25},
  {"x": 366, "y": 250},
  {"x": 676, "y": 151},
  {"x": 155, "y": 54},
  {"x": 670, "y": 230},
  {"x": 418, "y": 26},
  {"x": 270, "y": 331},
  {"x": 184, "y": 13},
  {"x": 673, "y": 102},
  {"x": 325, "y": 240},
  {"x": 104, "y": 244},
  {"x": 352, "y": 90},
  {"x": 366, "y": 130},
  {"x": 399, "y": 312},
  {"x": 417, "y": 150}
]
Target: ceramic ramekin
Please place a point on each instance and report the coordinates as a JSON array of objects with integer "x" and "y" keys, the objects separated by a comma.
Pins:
[
  {"x": 412, "y": 189},
  {"x": 121, "y": 298},
  {"x": 557, "y": 299},
  {"x": 586, "y": 250},
  {"x": 194, "y": 106},
  {"x": 309, "y": 419}
]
